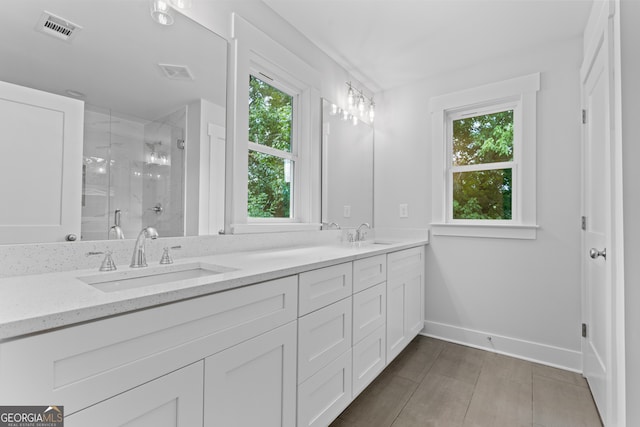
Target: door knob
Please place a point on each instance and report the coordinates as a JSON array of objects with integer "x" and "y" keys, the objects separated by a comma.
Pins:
[
  {"x": 594, "y": 253},
  {"x": 71, "y": 237}
]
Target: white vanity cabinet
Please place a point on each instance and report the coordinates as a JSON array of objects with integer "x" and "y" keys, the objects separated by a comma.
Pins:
[
  {"x": 173, "y": 400},
  {"x": 289, "y": 352},
  {"x": 405, "y": 298},
  {"x": 79, "y": 366}
]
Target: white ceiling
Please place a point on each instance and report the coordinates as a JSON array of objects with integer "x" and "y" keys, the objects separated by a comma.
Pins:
[{"x": 389, "y": 43}]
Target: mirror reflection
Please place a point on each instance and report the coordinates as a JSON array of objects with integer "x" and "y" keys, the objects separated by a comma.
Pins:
[
  {"x": 347, "y": 183},
  {"x": 154, "y": 100}
]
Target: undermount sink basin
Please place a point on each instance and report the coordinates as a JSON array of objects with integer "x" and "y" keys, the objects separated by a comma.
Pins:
[{"x": 139, "y": 278}]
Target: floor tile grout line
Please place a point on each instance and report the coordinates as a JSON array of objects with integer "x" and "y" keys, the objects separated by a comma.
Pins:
[
  {"x": 418, "y": 386},
  {"x": 475, "y": 386},
  {"x": 532, "y": 414}
]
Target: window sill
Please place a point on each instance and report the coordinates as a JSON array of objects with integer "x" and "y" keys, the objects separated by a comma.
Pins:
[
  {"x": 273, "y": 227},
  {"x": 492, "y": 231}
]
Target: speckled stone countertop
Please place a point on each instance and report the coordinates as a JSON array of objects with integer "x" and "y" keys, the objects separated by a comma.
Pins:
[{"x": 39, "y": 302}]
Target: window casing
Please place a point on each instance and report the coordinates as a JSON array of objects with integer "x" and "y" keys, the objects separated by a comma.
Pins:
[
  {"x": 253, "y": 53},
  {"x": 468, "y": 197}
]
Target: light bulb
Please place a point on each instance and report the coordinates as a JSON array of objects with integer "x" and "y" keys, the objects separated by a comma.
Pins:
[
  {"x": 354, "y": 120},
  {"x": 161, "y": 12},
  {"x": 372, "y": 111},
  {"x": 361, "y": 105},
  {"x": 345, "y": 115},
  {"x": 350, "y": 97},
  {"x": 181, "y": 4},
  {"x": 334, "y": 109}
]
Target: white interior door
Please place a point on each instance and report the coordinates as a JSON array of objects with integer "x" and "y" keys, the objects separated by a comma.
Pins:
[
  {"x": 596, "y": 270},
  {"x": 40, "y": 165}
]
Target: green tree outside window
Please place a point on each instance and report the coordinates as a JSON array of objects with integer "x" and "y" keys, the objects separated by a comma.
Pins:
[
  {"x": 270, "y": 125},
  {"x": 483, "y": 140}
]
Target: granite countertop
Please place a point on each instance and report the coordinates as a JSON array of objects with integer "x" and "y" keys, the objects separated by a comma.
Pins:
[{"x": 36, "y": 303}]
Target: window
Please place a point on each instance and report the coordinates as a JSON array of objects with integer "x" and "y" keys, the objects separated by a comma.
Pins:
[
  {"x": 481, "y": 166},
  {"x": 272, "y": 149},
  {"x": 273, "y": 177},
  {"x": 484, "y": 149}
]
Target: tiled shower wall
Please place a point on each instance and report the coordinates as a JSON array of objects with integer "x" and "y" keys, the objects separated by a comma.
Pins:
[{"x": 119, "y": 173}]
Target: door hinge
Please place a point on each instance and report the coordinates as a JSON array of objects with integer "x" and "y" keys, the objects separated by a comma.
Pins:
[
  {"x": 583, "y": 223},
  {"x": 584, "y": 330},
  {"x": 584, "y": 116}
]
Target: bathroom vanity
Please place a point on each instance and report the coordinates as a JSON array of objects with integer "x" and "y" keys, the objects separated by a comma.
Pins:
[{"x": 284, "y": 337}]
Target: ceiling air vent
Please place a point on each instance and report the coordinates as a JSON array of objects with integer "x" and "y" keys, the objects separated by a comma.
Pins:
[
  {"x": 56, "y": 26},
  {"x": 176, "y": 72}
]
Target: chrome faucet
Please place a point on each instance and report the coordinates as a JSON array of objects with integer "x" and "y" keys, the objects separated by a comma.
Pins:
[
  {"x": 139, "y": 258},
  {"x": 115, "y": 229},
  {"x": 116, "y": 232},
  {"x": 361, "y": 235}
]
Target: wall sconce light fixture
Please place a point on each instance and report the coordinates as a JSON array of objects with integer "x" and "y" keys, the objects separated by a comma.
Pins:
[{"x": 357, "y": 101}]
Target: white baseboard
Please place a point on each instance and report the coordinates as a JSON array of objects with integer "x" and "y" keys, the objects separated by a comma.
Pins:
[{"x": 532, "y": 351}]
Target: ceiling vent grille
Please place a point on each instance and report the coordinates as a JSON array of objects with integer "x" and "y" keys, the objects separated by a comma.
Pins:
[
  {"x": 176, "y": 72},
  {"x": 57, "y": 27}
]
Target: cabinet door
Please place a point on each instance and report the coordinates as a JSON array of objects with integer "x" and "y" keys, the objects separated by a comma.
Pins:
[
  {"x": 396, "y": 331},
  {"x": 322, "y": 397},
  {"x": 253, "y": 383},
  {"x": 414, "y": 304},
  {"x": 174, "y": 400},
  {"x": 40, "y": 165},
  {"x": 405, "y": 298}
]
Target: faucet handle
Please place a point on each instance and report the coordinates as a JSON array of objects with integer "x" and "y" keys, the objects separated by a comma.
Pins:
[
  {"x": 107, "y": 263},
  {"x": 166, "y": 256}
]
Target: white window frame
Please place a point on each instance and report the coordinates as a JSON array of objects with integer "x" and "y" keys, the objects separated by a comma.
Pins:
[
  {"x": 519, "y": 95},
  {"x": 252, "y": 52},
  {"x": 294, "y": 155}
]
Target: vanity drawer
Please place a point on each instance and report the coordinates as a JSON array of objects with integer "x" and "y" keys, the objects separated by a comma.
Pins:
[
  {"x": 369, "y": 358},
  {"x": 326, "y": 394},
  {"x": 322, "y": 336},
  {"x": 81, "y": 365},
  {"x": 369, "y": 271},
  {"x": 369, "y": 311},
  {"x": 319, "y": 288}
]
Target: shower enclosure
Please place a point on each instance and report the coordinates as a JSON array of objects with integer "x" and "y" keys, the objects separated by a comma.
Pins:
[{"x": 133, "y": 174}]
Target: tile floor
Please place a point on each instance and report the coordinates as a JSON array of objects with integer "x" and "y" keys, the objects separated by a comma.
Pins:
[{"x": 435, "y": 383}]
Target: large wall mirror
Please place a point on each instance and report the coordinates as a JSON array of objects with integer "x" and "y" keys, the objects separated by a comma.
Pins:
[
  {"x": 347, "y": 168},
  {"x": 154, "y": 107}
]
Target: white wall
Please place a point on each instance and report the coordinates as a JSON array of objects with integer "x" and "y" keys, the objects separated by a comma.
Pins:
[
  {"x": 630, "y": 34},
  {"x": 524, "y": 293},
  {"x": 217, "y": 17}
]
